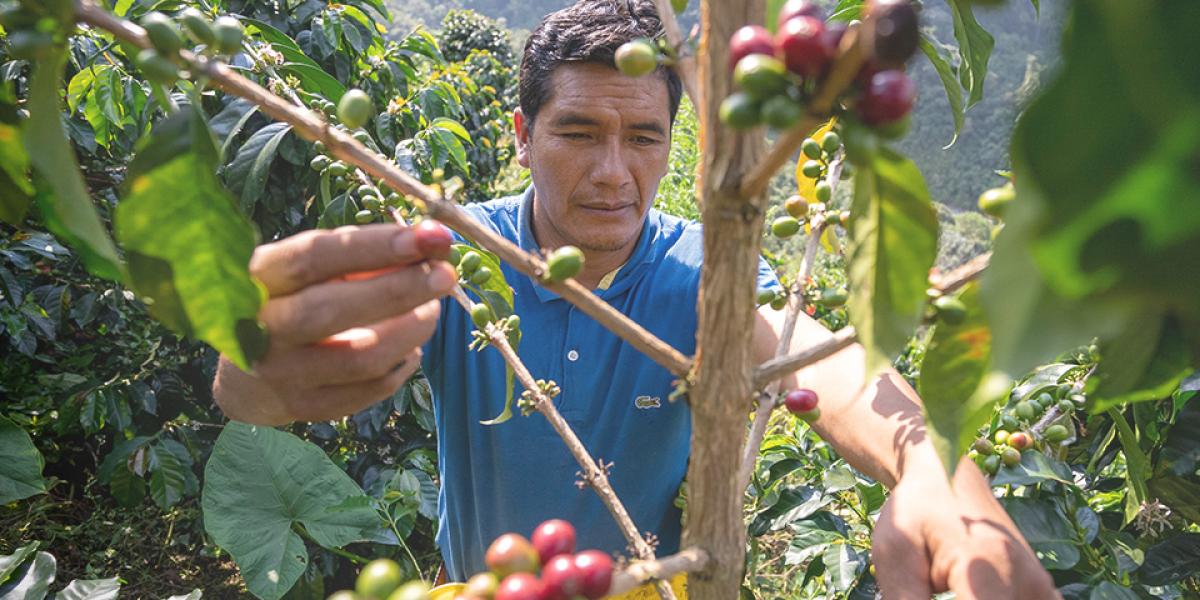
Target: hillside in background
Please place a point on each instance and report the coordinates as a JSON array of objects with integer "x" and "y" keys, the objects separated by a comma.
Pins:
[{"x": 1026, "y": 48}]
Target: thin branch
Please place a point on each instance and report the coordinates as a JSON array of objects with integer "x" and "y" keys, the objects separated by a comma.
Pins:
[
  {"x": 685, "y": 62},
  {"x": 953, "y": 281},
  {"x": 592, "y": 473},
  {"x": 309, "y": 126},
  {"x": 777, "y": 367},
  {"x": 639, "y": 573},
  {"x": 767, "y": 400},
  {"x": 845, "y": 67}
]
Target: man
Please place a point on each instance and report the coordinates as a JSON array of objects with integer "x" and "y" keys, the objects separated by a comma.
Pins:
[{"x": 350, "y": 308}]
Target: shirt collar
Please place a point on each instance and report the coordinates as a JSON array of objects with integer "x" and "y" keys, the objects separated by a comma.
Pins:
[{"x": 619, "y": 280}]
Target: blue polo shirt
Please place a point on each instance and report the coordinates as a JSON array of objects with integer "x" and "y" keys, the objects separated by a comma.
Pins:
[{"x": 511, "y": 477}]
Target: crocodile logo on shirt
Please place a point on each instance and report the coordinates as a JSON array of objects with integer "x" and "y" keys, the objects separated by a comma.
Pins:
[{"x": 647, "y": 402}]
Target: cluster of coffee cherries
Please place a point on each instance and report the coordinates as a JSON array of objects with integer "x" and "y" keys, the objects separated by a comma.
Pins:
[
  {"x": 543, "y": 567},
  {"x": 161, "y": 63},
  {"x": 803, "y": 404},
  {"x": 1017, "y": 426},
  {"x": 818, "y": 156},
  {"x": 777, "y": 74}
]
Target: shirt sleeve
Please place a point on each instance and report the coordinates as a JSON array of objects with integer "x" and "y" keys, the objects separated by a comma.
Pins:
[{"x": 766, "y": 276}]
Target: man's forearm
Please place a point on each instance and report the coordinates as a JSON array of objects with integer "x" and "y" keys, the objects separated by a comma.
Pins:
[{"x": 876, "y": 425}]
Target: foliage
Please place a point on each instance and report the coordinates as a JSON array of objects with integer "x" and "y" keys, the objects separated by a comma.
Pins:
[
  {"x": 118, "y": 404},
  {"x": 113, "y": 400}
]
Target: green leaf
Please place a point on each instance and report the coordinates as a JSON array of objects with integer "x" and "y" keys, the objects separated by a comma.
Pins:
[
  {"x": 452, "y": 126},
  {"x": 166, "y": 478},
  {"x": 1107, "y": 590},
  {"x": 1046, "y": 529},
  {"x": 1172, "y": 560},
  {"x": 21, "y": 469},
  {"x": 90, "y": 589},
  {"x": 892, "y": 244},
  {"x": 1181, "y": 494},
  {"x": 314, "y": 80},
  {"x": 189, "y": 247},
  {"x": 258, "y": 483},
  {"x": 956, "y": 359},
  {"x": 1146, "y": 362},
  {"x": 1137, "y": 466},
  {"x": 1113, "y": 182},
  {"x": 195, "y": 594},
  {"x": 793, "y": 504},
  {"x": 338, "y": 212},
  {"x": 811, "y": 537},
  {"x": 843, "y": 565},
  {"x": 1180, "y": 452},
  {"x": 127, "y": 487},
  {"x": 974, "y": 47},
  {"x": 10, "y": 562},
  {"x": 1031, "y": 324},
  {"x": 32, "y": 579},
  {"x": 247, "y": 174},
  {"x": 66, "y": 206},
  {"x": 954, "y": 93},
  {"x": 16, "y": 191},
  {"x": 1034, "y": 468}
]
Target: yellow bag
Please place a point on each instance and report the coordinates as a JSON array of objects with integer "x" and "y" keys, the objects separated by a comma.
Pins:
[{"x": 448, "y": 591}]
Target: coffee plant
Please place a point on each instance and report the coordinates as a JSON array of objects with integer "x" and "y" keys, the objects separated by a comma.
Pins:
[{"x": 147, "y": 147}]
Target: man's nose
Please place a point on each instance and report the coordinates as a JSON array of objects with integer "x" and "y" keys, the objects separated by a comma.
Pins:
[{"x": 611, "y": 168}]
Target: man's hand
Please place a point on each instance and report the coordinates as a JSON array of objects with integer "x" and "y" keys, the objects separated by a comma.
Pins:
[
  {"x": 347, "y": 314},
  {"x": 934, "y": 538}
]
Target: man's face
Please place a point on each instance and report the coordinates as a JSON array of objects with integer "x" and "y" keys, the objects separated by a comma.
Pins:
[{"x": 596, "y": 154}]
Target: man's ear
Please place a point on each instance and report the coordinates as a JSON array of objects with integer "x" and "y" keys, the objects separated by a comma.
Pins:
[{"x": 523, "y": 131}]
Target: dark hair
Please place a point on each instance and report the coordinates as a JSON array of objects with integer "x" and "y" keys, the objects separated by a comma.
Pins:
[{"x": 587, "y": 31}]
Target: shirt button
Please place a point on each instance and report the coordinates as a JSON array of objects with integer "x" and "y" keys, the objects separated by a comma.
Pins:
[{"x": 572, "y": 356}]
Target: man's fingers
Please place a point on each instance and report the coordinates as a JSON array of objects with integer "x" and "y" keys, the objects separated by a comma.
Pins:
[
  {"x": 353, "y": 356},
  {"x": 315, "y": 256},
  {"x": 901, "y": 560},
  {"x": 337, "y": 401},
  {"x": 322, "y": 310}
]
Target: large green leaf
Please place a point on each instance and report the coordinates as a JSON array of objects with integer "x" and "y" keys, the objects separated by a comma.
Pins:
[
  {"x": 1170, "y": 561},
  {"x": 259, "y": 484},
  {"x": 956, "y": 360},
  {"x": 21, "y": 469},
  {"x": 9, "y": 563},
  {"x": 1047, "y": 530},
  {"x": 66, "y": 206},
  {"x": 954, "y": 93},
  {"x": 1117, "y": 176},
  {"x": 247, "y": 174},
  {"x": 891, "y": 247},
  {"x": 1034, "y": 468},
  {"x": 90, "y": 589},
  {"x": 1181, "y": 494},
  {"x": 811, "y": 537},
  {"x": 167, "y": 478},
  {"x": 189, "y": 247},
  {"x": 974, "y": 48},
  {"x": 843, "y": 564},
  {"x": 32, "y": 579},
  {"x": 1031, "y": 324}
]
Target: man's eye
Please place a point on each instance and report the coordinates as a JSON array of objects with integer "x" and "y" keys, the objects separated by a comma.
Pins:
[
  {"x": 645, "y": 141},
  {"x": 574, "y": 135}
]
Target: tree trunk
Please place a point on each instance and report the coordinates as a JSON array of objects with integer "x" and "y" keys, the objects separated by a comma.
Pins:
[{"x": 722, "y": 377}]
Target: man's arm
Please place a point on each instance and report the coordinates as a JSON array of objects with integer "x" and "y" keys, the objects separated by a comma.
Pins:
[
  {"x": 347, "y": 313},
  {"x": 877, "y": 426},
  {"x": 933, "y": 534}
]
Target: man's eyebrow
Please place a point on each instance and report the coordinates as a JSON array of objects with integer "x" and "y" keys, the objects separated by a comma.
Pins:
[{"x": 569, "y": 120}]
